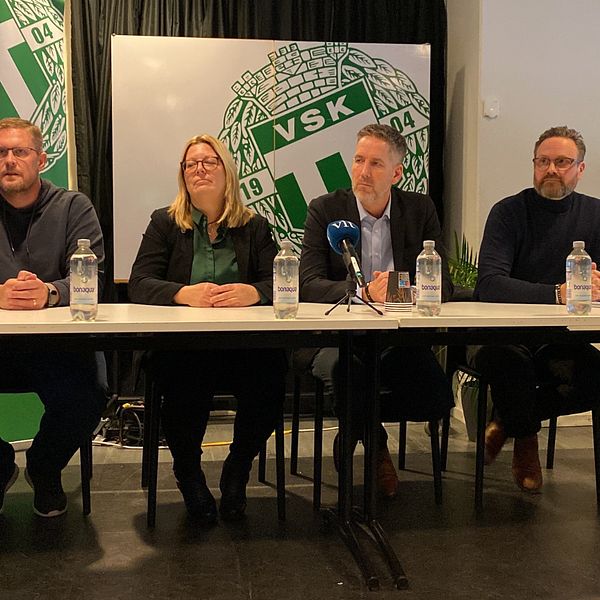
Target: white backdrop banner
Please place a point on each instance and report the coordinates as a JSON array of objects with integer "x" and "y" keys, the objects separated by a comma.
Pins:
[{"x": 288, "y": 112}]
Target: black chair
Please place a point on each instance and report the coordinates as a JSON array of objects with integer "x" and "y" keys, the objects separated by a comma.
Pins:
[
  {"x": 299, "y": 372},
  {"x": 482, "y": 396},
  {"x": 86, "y": 465},
  {"x": 86, "y": 468},
  {"x": 301, "y": 361},
  {"x": 152, "y": 401}
]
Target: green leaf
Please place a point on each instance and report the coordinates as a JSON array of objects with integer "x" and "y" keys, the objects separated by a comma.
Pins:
[{"x": 463, "y": 265}]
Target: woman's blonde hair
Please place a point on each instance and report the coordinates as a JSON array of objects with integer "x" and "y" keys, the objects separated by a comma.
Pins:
[{"x": 235, "y": 213}]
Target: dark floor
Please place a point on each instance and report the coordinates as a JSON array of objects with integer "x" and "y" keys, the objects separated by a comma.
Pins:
[{"x": 545, "y": 546}]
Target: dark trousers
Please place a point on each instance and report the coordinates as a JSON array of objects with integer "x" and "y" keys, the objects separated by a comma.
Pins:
[
  {"x": 189, "y": 380},
  {"x": 533, "y": 383},
  {"x": 73, "y": 396},
  {"x": 418, "y": 388}
]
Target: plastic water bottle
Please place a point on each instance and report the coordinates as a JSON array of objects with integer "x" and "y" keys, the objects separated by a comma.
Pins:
[
  {"x": 579, "y": 280},
  {"x": 429, "y": 280},
  {"x": 84, "y": 283},
  {"x": 286, "y": 289}
]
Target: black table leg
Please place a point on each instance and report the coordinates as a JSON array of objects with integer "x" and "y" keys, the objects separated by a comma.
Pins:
[
  {"x": 396, "y": 570},
  {"x": 371, "y": 439},
  {"x": 349, "y": 523},
  {"x": 348, "y": 532},
  {"x": 343, "y": 517}
]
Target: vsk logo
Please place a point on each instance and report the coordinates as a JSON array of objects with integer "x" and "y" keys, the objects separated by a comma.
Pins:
[
  {"x": 31, "y": 62},
  {"x": 292, "y": 126}
]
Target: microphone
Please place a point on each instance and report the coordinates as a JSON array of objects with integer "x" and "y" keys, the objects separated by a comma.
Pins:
[{"x": 342, "y": 237}]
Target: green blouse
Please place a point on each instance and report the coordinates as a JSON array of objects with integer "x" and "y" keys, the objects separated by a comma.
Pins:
[{"x": 213, "y": 261}]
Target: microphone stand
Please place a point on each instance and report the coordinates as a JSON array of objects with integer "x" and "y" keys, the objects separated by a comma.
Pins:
[{"x": 348, "y": 296}]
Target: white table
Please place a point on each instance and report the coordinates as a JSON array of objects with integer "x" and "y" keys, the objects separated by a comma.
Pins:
[
  {"x": 488, "y": 314},
  {"x": 142, "y": 327},
  {"x": 140, "y": 318},
  {"x": 130, "y": 326}
]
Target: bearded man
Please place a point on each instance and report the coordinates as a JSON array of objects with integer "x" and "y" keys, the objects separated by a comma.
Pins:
[{"x": 526, "y": 240}]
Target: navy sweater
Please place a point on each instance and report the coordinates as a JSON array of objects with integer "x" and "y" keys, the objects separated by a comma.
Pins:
[{"x": 526, "y": 241}]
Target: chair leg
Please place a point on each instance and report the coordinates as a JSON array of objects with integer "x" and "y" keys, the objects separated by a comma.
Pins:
[
  {"x": 262, "y": 464},
  {"x": 436, "y": 461},
  {"x": 146, "y": 432},
  {"x": 151, "y": 449},
  {"x": 596, "y": 434},
  {"x": 444, "y": 441},
  {"x": 318, "y": 445},
  {"x": 280, "y": 467},
  {"x": 295, "y": 426},
  {"x": 551, "y": 442},
  {"x": 402, "y": 445},
  {"x": 85, "y": 460},
  {"x": 480, "y": 452}
]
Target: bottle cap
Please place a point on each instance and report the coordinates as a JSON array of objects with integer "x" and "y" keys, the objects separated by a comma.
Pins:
[
  {"x": 429, "y": 243},
  {"x": 287, "y": 245},
  {"x": 83, "y": 242},
  {"x": 579, "y": 244}
]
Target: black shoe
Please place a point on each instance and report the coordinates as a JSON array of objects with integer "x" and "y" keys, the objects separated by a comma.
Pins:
[
  {"x": 6, "y": 480},
  {"x": 198, "y": 500},
  {"x": 49, "y": 499},
  {"x": 234, "y": 478}
]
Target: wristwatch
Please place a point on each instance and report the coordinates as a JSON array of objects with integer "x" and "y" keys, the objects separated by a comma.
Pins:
[
  {"x": 53, "y": 296},
  {"x": 557, "y": 293}
]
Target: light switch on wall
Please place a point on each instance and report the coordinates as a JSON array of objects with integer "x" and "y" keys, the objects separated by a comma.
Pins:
[{"x": 491, "y": 107}]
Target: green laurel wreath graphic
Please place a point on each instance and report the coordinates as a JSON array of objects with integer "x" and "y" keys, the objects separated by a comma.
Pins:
[
  {"x": 334, "y": 65},
  {"x": 50, "y": 113}
]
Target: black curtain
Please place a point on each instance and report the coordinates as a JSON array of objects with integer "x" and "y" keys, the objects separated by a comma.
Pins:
[{"x": 373, "y": 21}]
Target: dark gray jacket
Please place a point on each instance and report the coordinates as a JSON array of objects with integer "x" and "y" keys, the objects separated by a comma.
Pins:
[
  {"x": 412, "y": 220},
  {"x": 59, "y": 218}
]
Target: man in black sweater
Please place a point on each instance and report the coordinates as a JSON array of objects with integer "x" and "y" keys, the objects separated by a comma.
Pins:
[{"x": 526, "y": 240}]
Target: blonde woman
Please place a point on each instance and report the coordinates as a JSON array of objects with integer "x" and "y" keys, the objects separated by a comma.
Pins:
[{"x": 209, "y": 250}]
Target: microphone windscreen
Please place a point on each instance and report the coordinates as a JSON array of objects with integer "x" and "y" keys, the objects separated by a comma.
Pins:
[{"x": 342, "y": 230}]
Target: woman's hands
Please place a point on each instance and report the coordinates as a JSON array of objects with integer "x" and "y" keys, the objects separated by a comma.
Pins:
[{"x": 204, "y": 295}]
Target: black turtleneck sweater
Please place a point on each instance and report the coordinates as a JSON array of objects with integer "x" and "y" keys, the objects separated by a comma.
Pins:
[
  {"x": 526, "y": 241},
  {"x": 16, "y": 222}
]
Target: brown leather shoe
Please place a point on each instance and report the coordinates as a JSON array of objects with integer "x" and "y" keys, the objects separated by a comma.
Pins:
[
  {"x": 495, "y": 436},
  {"x": 526, "y": 468},
  {"x": 387, "y": 479}
]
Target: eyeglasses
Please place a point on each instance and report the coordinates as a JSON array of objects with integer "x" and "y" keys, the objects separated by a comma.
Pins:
[
  {"x": 18, "y": 152},
  {"x": 208, "y": 164},
  {"x": 562, "y": 163}
]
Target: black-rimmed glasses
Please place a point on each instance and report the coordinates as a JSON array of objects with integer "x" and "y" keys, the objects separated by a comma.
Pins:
[
  {"x": 562, "y": 163},
  {"x": 208, "y": 164},
  {"x": 18, "y": 152}
]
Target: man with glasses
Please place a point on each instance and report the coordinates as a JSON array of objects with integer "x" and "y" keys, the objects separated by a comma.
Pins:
[
  {"x": 526, "y": 240},
  {"x": 39, "y": 227}
]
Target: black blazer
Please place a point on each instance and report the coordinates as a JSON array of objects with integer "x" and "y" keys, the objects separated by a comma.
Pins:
[
  {"x": 413, "y": 218},
  {"x": 164, "y": 261}
]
